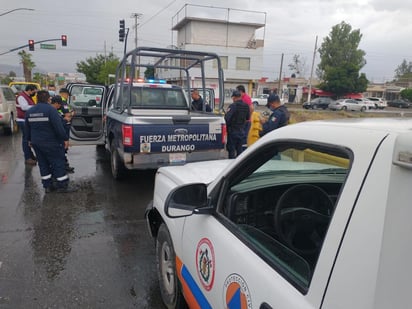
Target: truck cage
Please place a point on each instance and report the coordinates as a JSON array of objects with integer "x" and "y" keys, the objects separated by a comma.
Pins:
[{"x": 158, "y": 59}]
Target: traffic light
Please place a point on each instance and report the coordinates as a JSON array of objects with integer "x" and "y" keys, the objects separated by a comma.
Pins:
[
  {"x": 64, "y": 40},
  {"x": 122, "y": 31},
  {"x": 31, "y": 45}
]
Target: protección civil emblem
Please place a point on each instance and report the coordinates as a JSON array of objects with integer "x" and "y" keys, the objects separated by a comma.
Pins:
[
  {"x": 205, "y": 263},
  {"x": 236, "y": 293}
]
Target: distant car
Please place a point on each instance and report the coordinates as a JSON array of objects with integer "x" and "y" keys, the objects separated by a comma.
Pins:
[
  {"x": 369, "y": 103},
  {"x": 321, "y": 102},
  {"x": 348, "y": 104},
  {"x": 379, "y": 102},
  {"x": 8, "y": 112},
  {"x": 401, "y": 103},
  {"x": 260, "y": 100}
]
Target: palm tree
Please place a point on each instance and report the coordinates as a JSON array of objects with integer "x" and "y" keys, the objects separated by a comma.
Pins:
[{"x": 28, "y": 64}]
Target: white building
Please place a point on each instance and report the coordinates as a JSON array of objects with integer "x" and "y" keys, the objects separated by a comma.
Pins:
[{"x": 237, "y": 36}]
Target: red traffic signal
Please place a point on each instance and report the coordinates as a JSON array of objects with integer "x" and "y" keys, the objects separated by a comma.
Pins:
[
  {"x": 64, "y": 40},
  {"x": 31, "y": 45},
  {"x": 122, "y": 30}
]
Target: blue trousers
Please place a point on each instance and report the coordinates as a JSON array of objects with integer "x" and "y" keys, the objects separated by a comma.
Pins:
[
  {"x": 28, "y": 153},
  {"x": 52, "y": 164},
  {"x": 235, "y": 143}
]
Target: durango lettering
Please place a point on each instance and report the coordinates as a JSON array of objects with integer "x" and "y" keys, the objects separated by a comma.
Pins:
[{"x": 178, "y": 148}]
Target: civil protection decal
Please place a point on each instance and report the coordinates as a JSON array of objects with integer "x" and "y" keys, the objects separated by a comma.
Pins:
[
  {"x": 236, "y": 293},
  {"x": 145, "y": 147},
  {"x": 205, "y": 263}
]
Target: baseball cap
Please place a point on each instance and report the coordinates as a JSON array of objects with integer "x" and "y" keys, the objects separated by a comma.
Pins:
[
  {"x": 64, "y": 90},
  {"x": 236, "y": 94},
  {"x": 57, "y": 99},
  {"x": 273, "y": 98}
]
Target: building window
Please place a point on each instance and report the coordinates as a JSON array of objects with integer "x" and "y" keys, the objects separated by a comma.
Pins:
[
  {"x": 223, "y": 61},
  {"x": 243, "y": 63}
]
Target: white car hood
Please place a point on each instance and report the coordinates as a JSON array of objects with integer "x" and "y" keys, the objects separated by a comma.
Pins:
[{"x": 196, "y": 172}]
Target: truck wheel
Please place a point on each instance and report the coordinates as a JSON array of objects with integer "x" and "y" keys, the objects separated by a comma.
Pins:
[
  {"x": 117, "y": 166},
  {"x": 9, "y": 130},
  {"x": 166, "y": 270}
]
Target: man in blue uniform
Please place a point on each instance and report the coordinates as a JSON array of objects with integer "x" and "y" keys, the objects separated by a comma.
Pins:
[
  {"x": 237, "y": 115},
  {"x": 47, "y": 135},
  {"x": 278, "y": 118}
]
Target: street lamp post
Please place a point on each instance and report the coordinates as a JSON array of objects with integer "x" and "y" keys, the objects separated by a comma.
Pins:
[{"x": 18, "y": 9}]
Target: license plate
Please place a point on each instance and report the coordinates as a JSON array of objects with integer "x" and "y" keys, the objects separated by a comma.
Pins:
[{"x": 177, "y": 158}]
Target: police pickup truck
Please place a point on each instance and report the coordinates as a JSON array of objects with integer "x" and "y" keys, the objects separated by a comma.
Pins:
[
  {"x": 146, "y": 123},
  {"x": 313, "y": 215}
]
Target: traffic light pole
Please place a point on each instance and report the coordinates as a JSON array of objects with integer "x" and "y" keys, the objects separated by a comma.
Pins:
[{"x": 27, "y": 45}]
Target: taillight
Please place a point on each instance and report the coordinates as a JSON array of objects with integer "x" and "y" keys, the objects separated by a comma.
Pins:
[
  {"x": 127, "y": 132},
  {"x": 224, "y": 134}
]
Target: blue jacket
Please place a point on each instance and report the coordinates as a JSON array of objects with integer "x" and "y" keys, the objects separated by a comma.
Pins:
[
  {"x": 279, "y": 118},
  {"x": 44, "y": 125}
]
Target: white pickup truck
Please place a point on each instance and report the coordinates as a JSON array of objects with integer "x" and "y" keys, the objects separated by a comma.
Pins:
[{"x": 313, "y": 215}]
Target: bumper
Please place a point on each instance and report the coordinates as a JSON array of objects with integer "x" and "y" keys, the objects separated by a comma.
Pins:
[{"x": 143, "y": 161}]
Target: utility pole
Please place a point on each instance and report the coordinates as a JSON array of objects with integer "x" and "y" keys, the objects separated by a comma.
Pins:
[
  {"x": 311, "y": 71},
  {"x": 136, "y": 17},
  {"x": 280, "y": 75}
]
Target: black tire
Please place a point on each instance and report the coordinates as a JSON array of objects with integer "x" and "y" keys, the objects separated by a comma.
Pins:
[
  {"x": 363, "y": 108},
  {"x": 10, "y": 129},
  {"x": 344, "y": 108},
  {"x": 116, "y": 164},
  {"x": 170, "y": 289},
  {"x": 255, "y": 104}
]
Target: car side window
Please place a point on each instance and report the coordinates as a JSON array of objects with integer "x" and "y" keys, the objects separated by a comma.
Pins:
[{"x": 280, "y": 203}]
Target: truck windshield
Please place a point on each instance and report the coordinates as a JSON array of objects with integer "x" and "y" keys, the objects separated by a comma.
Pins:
[{"x": 158, "y": 98}]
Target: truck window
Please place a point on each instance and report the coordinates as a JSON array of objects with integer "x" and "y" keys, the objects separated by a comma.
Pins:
[{"x": 281, "y": 203}]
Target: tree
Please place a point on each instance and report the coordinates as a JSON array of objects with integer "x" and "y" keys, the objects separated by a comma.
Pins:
[
  {"x": 97, "y": 69},
  {"x": 298, "y": 65},
  {"x": 28, "y": 65},
  {"x": 404, "y": 71},
  {"x": 40, "y": 78},
  {"x": 406, "y": 94},
  {"x": 341, "y": 61}
]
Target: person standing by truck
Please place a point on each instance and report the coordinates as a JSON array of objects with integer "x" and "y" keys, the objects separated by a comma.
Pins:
[
  {"x": 46, "y": 133},
  {"x": 67, "y": 115},
  {"x": 24, "y": 101},
  {"x": 237, "y": 115},
  {"x": 278, "y": 118}
]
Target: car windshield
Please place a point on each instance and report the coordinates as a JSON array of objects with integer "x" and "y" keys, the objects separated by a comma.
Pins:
[{"x": 282, "y": 202}]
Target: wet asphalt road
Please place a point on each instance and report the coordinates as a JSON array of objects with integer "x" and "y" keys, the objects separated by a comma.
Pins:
[{"x": 87, "y": 249}]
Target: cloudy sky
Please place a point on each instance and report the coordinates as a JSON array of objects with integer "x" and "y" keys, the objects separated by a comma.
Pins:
[{"x": 291, "y": 28}]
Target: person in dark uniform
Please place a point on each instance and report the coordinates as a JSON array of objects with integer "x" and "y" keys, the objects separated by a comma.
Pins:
[
  {"x": 197, "y": 103},
  {"x": 47, "y": 135},
  {"x": 278, "y": 118},
  {"x": 67, "y": 113},
  {"x": 237, "y": 115}
]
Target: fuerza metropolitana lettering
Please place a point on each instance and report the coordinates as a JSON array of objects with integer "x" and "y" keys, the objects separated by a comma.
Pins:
[{"x": 204, "y": 137}]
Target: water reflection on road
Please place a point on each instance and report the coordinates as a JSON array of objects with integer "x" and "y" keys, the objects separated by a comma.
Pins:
[{"x": 87, "y": 249}]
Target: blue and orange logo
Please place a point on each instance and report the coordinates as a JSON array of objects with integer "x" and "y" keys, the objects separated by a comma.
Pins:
[{"x": 236, "y": 293}]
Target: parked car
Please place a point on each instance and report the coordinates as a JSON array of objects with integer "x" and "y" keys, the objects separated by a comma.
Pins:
[
  {"x": 8, "y": 112},
  {"x": 297, "y": 221},
  {"x": 348, "y": 104},
  {"x": 369, "y": 103},
  {"x": 260, "y": 100},
  {"x": 321, "y": 102},
  {"x": 401, "y": 103},
  {"x": 379, "y": 102}
]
